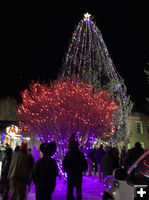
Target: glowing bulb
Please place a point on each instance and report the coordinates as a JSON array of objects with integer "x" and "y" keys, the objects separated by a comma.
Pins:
[{"x": 87, "y": 16}]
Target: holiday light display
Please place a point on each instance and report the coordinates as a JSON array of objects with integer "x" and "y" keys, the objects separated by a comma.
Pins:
[
  {"x": 89, "y": 98},
  {"x": 88, "y": 59},
  {"x": 65, "y": 107},
  {"x": 13, "y": 131},
  {"x": 55, "y": 111}
]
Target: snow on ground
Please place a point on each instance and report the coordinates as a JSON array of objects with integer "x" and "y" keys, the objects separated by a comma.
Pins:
[{"x": 92, "y": 189}]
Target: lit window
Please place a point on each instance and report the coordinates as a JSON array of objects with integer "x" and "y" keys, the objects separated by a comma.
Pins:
[
  {"x": 142, "y": 144},
  {"x": 139, "y": 127},
  {"x": 128, "y": 146}
]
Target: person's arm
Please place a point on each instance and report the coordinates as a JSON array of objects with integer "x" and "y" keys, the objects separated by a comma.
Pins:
[{"x": 84, "y": 163}]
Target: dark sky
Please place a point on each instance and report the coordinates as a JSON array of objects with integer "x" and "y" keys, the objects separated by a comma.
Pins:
[{"x": 34, "y": 38}]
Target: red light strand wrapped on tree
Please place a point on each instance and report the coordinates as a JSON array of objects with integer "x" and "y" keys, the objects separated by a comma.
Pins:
[
  {"x": 65, "y": 107},
  {"x": 55, "y": 111}
]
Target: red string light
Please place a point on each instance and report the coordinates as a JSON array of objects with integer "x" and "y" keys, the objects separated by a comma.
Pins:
[{"x": 64, "y": 107}]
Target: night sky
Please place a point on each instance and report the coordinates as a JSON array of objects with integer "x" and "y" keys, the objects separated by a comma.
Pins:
[{"x": 34, "y": 38}]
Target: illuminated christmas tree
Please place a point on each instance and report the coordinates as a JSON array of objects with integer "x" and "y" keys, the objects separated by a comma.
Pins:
[
  {"x": 55, "y": 111},
  {"x": 88, "y": 60}
]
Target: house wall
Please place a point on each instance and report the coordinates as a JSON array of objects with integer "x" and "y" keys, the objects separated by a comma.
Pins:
[{"x": 141, "y": 137}]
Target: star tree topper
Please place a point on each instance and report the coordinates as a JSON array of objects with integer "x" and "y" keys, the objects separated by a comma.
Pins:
[{"x": 87, "y": 16}]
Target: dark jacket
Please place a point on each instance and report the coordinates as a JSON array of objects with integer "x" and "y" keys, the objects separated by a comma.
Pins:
[
  {"x": 99, "y": 154},
  {"x": 108, "y": 163},
  {"x": 45, "y": 172},
  {"x": 132, "y": 155},
  {"x": 74, "y": 164},
  {"x": 5, "y": 168},
  {"x": 20, "y": 167}
]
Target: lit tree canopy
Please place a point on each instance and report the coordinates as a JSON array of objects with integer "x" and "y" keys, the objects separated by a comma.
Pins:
[
  {"x": 88, "y": 59},
  {"x": 64, "y": 107}
]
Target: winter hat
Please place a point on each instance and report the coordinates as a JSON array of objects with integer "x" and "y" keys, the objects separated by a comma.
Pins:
[
  {"x": 48, "y": 148},
  {"x": 23, "y": 146}
]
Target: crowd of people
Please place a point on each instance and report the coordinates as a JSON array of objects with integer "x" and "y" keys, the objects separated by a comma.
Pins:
[
  {"x": 104, "y": 160},
  {"x": 19, "y": 168}
]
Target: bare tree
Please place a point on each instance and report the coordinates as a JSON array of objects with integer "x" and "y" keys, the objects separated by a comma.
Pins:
[{"x": 8, "y": 109}]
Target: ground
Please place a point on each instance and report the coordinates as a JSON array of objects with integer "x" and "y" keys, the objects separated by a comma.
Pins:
[{"x": 92, "y": 189}]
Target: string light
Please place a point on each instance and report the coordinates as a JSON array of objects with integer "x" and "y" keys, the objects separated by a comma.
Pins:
[
  {"x": 89, "y": 98},
  {"x": 88, "y": 60},
  {"x": 87, "y": 16},
  {"x": 55, "y": 112}
]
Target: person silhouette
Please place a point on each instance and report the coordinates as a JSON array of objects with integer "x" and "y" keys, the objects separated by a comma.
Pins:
[
  {"x": 45, "y": 172},
  {"x": 19, "y": 173},
  {"x": 74, "y": 164},
  {"x": 133, "y": 154}
]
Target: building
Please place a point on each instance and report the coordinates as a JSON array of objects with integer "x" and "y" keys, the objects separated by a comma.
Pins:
[
  {"x": 10, "y": 134},
  {"x": 139, "y": 129}
]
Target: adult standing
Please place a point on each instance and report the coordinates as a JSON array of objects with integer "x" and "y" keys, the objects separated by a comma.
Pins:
[
  {"x": 99, "y": 154},
  {"x": 133, "y": 154},
  {"x": 45, "y": 172},
  {"x": 19, "y": 173},
  {"x": 89, "y": 161},
  {"x": 74, "y": 164},
  {"x": 4, "y": 182},
  {"x": 123, "y": 155},
  {"x": 92, "y": 164},
  {"x": 109, "y": 162}
]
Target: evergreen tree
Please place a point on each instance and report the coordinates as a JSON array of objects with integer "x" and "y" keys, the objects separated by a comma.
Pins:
[{"x": 89, "y": 61}]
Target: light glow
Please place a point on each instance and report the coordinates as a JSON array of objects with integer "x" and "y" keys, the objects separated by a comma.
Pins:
[{"x": 87, "y": 16}]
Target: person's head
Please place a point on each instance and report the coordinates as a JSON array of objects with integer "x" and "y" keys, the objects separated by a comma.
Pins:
[
  {"x": 9, "y": 151},
  {"x": 110, "y": 151},
  {"x": 17, "y": 148},
  {"x": 29, "y": 150},
  {"x": 101, "y": 146},
  {"x": 23, "y": 146},
  {"x": 7, "y": 145},
  {"x": 73, "y": 136},
  {"x": 137, "y": 145},
  {"x": 74, "y": 145},
  {"x": 48, "y": 149}
]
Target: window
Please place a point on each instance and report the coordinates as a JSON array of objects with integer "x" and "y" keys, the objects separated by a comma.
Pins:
[
  {"x": 128, "y": 146},
  {"x": 142, "y": 145},
  {"x": 139, "y": 127}
]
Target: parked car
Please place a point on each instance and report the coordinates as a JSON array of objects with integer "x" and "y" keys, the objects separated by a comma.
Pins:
[{"x": 120, "y": 185}]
